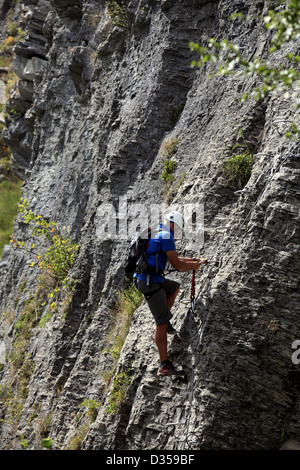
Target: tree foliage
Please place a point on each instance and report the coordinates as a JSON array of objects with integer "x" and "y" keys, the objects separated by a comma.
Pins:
[{"x": 284, "y": 25}]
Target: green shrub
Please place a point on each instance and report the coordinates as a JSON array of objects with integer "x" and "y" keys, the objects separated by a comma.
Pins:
[
  {"x": 76, "y": 441},
  {"x": 120, "y": 385},
  {"x": 91, "y": 407},
  {"x": 59, "y": 257},
  {"x": 167, "y": 149},
  {"x": 168, "y": 171},
  {"x": 47, "y": 443}
]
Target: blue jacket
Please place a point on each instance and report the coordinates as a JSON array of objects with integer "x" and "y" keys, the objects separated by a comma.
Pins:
[{"x": 161, "y": 242}]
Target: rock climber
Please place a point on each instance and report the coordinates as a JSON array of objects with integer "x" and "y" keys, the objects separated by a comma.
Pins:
[{"x": 160, "y": 293}]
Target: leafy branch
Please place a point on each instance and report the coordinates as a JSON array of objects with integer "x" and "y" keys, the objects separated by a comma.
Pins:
[
  {"x": 118, "y": 13},
  {"x": 56, "y": 260},
  {"x": 286, "y": 27},
  {"x": 285, "y": 23}
]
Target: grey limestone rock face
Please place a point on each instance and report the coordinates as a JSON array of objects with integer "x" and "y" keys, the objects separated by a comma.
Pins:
[
  {"x": 104, "y": 101},
  {"x": 28, "y": 65}
]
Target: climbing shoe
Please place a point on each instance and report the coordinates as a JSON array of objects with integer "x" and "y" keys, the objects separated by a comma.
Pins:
[
  {"x": 167, "y": 368},
  {"x": 171, "y": 330}
]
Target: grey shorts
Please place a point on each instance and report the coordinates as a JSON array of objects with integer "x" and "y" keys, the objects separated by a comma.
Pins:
[{"x": 156, "y": 297}]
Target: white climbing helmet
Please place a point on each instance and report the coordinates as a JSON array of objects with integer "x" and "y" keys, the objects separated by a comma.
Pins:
[{"x": 175, "y": 217}]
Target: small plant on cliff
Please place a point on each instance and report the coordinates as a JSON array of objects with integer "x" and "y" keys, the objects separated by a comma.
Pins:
[
  {"x": 9, "y": 196},
  {"x": 128, "y": 301},
  {"x": 167, "y": 149},
  {"x": 59, "y": 256},
  {"x": 55, "y": 261},
  {"x": 118, "y": 13},
  {"x": 120, "y": 385},
  {"x": 47, "y": 443},
  {"x": 237, "y": 169},
  {"x": 11, "y": 404},
  {"x": 91, "y": 407},
  {"x": 12, "y": 398},
  {"x": 23, "y": 442},
  {"x": 168, "y": 171}
]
